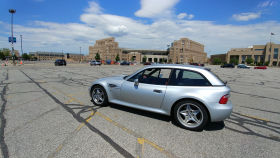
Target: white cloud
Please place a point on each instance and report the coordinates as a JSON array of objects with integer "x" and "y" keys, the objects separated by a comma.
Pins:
[
  {"x": 156, "y": 8},
  {"x": 246, "y": 16},
  {"x": 130, "y": 33},
  {"x": 190, "y": 16},
  {"x": 185, "y": 15},
  {"x": 181, "y": 15},
  {"x": 266, "y": 4},
  {"x": 93, "y": 8}
]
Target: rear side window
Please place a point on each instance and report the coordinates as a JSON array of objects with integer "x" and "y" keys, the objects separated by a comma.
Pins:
[{"x": 187, "y": 78}]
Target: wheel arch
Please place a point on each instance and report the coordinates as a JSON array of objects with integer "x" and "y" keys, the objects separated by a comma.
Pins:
[{"x": 191, "y": 99}]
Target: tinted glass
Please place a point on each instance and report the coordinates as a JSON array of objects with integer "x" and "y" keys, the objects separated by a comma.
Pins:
[
  {"x": 137, "y": 76},
  {"x": 187, "y": 78},
  {"x": 152, "y": 76}
]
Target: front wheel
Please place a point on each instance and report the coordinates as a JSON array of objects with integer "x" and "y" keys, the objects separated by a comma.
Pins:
[
  {"x": 190, "y": 115},
  {"x": 99, "y": 96}
]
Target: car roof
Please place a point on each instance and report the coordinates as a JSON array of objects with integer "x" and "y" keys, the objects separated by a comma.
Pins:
[
  {"x": 179, "y": 66},
  {"x": 205, "y": 71}
]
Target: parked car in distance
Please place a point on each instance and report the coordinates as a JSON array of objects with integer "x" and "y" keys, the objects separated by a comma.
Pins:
[
  {"x": 60, "y": 62},
  {"x": 192, "y": 95},
  {"x": 125, "y": 63},
  {"x": 147, "y": 63},
  {"x": 260, "y": 67},
  {"x": 227, "y": 66},
  {"x": 196, "y": 64},
  {"x": 243, "y": 66},
  {"x": 94, "y": 62}
]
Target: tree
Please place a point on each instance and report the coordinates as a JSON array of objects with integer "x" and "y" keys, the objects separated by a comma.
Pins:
[
  {"x": 117, "y": 57},
  {"x": 25, "y": 56},
  {"x": 132, "y": 58},
  {"x": 266, "y": 63},
  {"x": 2, "y": 56},
  {"x": 97, "y": 56},
  {"x": 249, "y": 60},
  {"x": 144, "y": 59},
  {"x": 217, "y": 61},
  {"x": 155, "y": 60},
  {"x": 6, "y": 51},
  {"x": 234, "y": 61}
]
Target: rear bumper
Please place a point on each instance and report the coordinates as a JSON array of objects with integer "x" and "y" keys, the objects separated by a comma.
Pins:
[{"x": 219, "y": 112}]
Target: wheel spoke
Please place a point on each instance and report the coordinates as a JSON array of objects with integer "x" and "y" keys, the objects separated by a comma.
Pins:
[
  {"x": 184, "y": 112},
  {"x": 97, "y": 91},
  {"x": 194, "y": 118},
  {"x": 195, "y": 112},
  {"x": 188, "y": 119},
  {"x": 100, "y": 98},
  {"x": 188, "y": 108}
]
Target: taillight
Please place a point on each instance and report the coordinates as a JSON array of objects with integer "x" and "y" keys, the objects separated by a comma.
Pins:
[{"x": 224, "y": 99}]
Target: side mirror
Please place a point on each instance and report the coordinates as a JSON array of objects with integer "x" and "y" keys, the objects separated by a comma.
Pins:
[{"x": 136, "y": 82}]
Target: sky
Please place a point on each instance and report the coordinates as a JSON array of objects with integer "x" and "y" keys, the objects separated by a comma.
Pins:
[{"x": 67, "y": 25}]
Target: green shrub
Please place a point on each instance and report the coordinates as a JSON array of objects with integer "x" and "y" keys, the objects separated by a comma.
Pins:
[
  {"x": 234, "y": 61},
  {"x": 217, "y": 61},
  {"x": 249, "y": 60},
  {"x": 266, "y": 63}
]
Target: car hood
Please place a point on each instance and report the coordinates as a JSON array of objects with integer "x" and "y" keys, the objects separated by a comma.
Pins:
[{"x": 113, "y": 78}]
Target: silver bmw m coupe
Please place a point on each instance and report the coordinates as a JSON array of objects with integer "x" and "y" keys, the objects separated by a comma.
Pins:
[{"x": 192, "y": 95}]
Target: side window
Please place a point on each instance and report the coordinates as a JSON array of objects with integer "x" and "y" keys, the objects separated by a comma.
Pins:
[
  {"x": 187, "y": 78},
  {"x": 152, "y": 76},
  {"x": 137, "y": 76}
]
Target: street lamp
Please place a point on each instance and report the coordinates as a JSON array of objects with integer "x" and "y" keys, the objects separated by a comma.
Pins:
[
  {"x": 80, "y": 54},
  {"x": 271, "y": 55},
  {"x": 12, "y": 11},
  {"x": 21, "y": 44}
]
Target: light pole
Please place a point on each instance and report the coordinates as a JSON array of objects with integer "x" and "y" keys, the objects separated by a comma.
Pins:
[
  {"x": 12, "y": 11},
  {"x": 80, "y": 54},
  {"x": 21, "y": 44},
  {"x": 271, "y": 55}
]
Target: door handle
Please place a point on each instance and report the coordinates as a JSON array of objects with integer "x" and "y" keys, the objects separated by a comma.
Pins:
[{"x": 157, "y": 91}]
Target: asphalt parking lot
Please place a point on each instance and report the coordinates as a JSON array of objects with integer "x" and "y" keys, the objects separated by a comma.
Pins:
[{"x": 46, "y": 112}]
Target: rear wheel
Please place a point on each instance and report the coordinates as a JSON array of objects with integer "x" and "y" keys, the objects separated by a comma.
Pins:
[
  {"x": 99, "y": 96},
  {"x": 190, "y": 115}
]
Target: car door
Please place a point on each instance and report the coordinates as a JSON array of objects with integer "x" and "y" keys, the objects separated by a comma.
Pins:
[{"x": 151, "y": 88}]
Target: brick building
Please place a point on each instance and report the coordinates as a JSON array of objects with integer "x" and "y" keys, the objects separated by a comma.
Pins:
[
  {"x": 107, "y": 48},
  {"x": 187, "y": 51},
  {"x": 259, "y": 53},
  {"x": 190, "y": 51}
]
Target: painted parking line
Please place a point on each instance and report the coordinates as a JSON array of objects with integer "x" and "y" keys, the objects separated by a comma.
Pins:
[
  {"x": 140, "y": 140},
  {"x": 58, "y": 149},
  {"x": 254, "y": 117}
]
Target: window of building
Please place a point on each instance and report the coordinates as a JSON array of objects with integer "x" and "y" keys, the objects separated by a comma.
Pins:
[
  {"x": 256, "y": 58},
  {"x": 259, "y": 49},
  {"x": 243, "y": 59},
  {"x": 275, "y": 56}
]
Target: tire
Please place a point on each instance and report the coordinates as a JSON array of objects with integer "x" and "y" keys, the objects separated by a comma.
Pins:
[
  {"x": 197, "y": 112},
  {"x": 99, "y": 96}
]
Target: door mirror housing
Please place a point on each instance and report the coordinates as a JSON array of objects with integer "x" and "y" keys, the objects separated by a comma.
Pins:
[{"x": 136, "y": 82}]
